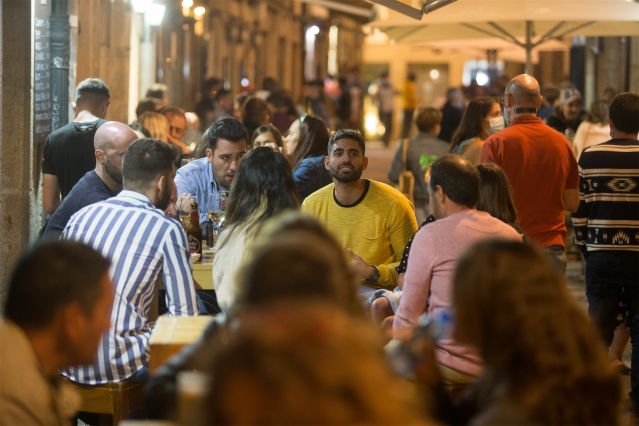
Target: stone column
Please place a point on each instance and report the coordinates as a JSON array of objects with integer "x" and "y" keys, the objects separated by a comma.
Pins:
[{"x": 20, "y": 211}]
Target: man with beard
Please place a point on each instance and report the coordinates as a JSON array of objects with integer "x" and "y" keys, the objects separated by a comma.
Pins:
[
  {"x": 569, "y": 114},
  {"x": 227, "y": 142},
  {"x": 143, "y": 244},
  {"x": 110, "y": 142},
  {"x": 371, "y": 220}
]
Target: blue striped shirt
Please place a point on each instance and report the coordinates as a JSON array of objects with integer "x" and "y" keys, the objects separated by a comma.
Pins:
[
  {"x": 196, "y": 178},
  {"x": 143, "y": 245}
]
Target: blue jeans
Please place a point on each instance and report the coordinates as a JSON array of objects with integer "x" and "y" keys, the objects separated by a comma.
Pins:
[{"x": 607, "y": 273}]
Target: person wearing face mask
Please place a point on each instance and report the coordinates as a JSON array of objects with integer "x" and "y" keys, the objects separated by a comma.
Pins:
[
  {"x": 540, "y": 166},
  {"x": 481, "y": 119}
]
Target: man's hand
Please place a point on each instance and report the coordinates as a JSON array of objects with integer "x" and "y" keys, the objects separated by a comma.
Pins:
[
  {"x": 361, "y": 268},
  {"x": 183, "y": 148}
]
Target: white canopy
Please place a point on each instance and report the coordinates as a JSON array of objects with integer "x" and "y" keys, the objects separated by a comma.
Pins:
[{"x": 535, "y": 20}]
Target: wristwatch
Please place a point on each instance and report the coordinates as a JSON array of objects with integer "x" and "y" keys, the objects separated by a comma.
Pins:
[{"x": 374, "y": 276}]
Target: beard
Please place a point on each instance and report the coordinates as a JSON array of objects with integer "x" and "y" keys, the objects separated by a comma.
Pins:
[
  {"x": 165, "y": 199},
  {"x": 114, "y": 172},
  {"x": 346, "y": 176}
]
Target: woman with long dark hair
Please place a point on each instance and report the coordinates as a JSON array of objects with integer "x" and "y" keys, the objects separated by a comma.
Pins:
[
  {"x": 263, "y": 187},
  {"x": 481, "y": 119},
  {"x": 307, "y": 144},
  {"x": 267, "y": 135},
  {"x": 544, "y": 362}
]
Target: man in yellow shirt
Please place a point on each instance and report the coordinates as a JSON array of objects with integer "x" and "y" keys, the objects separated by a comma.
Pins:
[{"x": 371, "y": 220}]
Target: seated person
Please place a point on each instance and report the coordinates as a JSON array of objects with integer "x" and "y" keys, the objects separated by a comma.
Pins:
[
  {"x": 267, "y": 135},
  {"x": 295, "y": 259},
  {"x": 454, "y": 188},
  {"x": 57, "y": 308},
  {"x": 371, "y": 220},
  {"x": 544, "y": 363},
  {"x": 263, "y": 188},
  {"x": 227, "y": 144},
  {"x": 144, "y": 245},
  {"x": 110, "y": 142}
]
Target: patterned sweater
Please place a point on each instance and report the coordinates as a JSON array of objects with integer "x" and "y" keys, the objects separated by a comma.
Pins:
[{"x": 608, "y": 215}]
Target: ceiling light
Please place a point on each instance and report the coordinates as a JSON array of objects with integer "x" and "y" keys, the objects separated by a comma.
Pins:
[
  {"x": 187, "y": 3},
  {"x": 141, "y": 6},
  {"x": 199, "y": 11},
  {"x": 155, "y": 14}
]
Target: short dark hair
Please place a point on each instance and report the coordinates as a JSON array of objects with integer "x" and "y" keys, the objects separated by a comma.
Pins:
[
  {"x": 624, "y": 112},
  {"x": 157, "y": 91},
  {"x": 147, "y": 105},
  {"x": 91, "y": 92},
  {"x": 427, "y": 118},
  {"x": 49, "y": 277},
  {"x": 144, "y": 160},
  {"x": 255, "y": 110},
  {"x": 227, "y": 128},
  {"x": 347, "y": 134},
  {"x": 221, "y": 93},
  {"x": 458, "y": 178}
]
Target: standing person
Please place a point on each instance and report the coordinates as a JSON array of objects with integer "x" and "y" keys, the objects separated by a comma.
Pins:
[
  {"x": 606, "y": 226},
  {"x": 255, "y": 113},
  {"x": 540, "y": 166},
  {"x": 481, "y": 119},
  {"x": 371, "y": 220},
  {"x": 227, "y": 144},
  {"x": 143, "y": 245},
  {"x": 425, "y": 144},
  {"x": 57, "y": 309},
  {"x": 205, "y": 107},
  {"x": 409, "y": 98},
  {"x": 543, "y": 364},
  {"x": 264, "y": 188},
  {"x": 307, "y": 149},
  {"x": 160, "y": 92},
  {"x": 111, "y": 142},
  {"x": 567, "y": 117},
  {"x": 452, "y": 114},
  {"x": 594, "y": 129},
  {"x": 344, "y": 103},
  {"x": 279, "y": 106},
  {"x": 385, "y": 94},
  {"x": 314, "y": 91},
  {"x": 68, "y": 152},
  {"x": 454, "y": 191}
]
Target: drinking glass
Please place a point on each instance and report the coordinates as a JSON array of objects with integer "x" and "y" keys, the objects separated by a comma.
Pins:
[
  {"x": 217, "y": 210},
  {"x": 183, "y": 207}
]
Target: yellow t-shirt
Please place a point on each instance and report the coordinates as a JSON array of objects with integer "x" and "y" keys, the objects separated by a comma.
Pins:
[
  {"x": 376, "y": 228},
  {"x": 409, "y": 95}
]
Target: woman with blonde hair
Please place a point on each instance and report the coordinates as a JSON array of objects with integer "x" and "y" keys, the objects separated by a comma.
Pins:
[
  {"x": 544, "y": 362},
  {"x": 262, "y": 188},
  {"x": 156, "y": 124}
]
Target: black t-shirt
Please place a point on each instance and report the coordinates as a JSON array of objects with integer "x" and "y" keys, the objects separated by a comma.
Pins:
[
  {"x": 69, "y": 153},
  {"x": 89, "y": 190}
]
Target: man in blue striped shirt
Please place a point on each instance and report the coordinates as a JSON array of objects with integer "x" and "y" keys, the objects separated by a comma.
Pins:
[
  {"x": 607, "y": 227},
  {"x": 228, "y": 139},
  {"x": 143, "y": 245}
]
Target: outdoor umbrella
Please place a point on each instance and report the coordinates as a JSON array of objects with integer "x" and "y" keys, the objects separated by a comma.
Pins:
[{"x": 525, "y": 23}]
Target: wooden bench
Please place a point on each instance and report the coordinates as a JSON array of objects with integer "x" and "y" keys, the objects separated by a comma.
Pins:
[{"x": 116, "y": 399}]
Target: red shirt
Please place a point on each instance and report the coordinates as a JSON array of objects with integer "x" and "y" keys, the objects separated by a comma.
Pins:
[{"x": 540, "y": 165}]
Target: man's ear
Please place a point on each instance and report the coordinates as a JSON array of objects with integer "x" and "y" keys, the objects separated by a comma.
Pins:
[
  {"x": 74, "y": 107},
  {"x": 364, "y": 163},
  {"x": 541, "y": 101},
  {"x": 441, "y": 194},
  {"x": 327, "y": 163},
  {"x": 160, "y": 184},
  {"x": 209, "y": 154},
  {"x": 100, "y": 156},
  {"x": 72, "y": 319},
  {"x": 612, "y": 125}
]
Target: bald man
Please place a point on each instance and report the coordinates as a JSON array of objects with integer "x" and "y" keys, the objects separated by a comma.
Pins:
[
  {"x": 105, "y": 181},
  {"x": 540, "y": 167}
]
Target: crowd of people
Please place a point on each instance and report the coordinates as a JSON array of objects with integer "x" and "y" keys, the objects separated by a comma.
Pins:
[{"x": 317, "y": 268}]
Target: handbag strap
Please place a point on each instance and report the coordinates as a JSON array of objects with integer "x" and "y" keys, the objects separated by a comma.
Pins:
[{"x": 405, "y": 153}]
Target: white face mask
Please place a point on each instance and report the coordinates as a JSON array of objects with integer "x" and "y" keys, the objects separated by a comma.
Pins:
[{"x": 496, "y": 125}]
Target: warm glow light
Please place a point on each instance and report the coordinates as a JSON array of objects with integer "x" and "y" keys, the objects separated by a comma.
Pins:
[
  {"x": 371, "y": 124},
  {"x": 192, "y": 147},
  {"x": 155, "y": 14},
  {"x": 481, "y": 78},
  {"x": 141, "y": 6},
  {"x": 372, "y": 89},
  {"x": 199, "y": 11},
  {"x": 314, "y": 29},
  {"x": 187, "y": 3},
  {"x": 244, "y": 82},
  {"x": 434, "y": 74}
]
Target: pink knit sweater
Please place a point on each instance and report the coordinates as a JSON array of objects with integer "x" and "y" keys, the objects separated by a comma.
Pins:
[{"x": 428, "y": 284}]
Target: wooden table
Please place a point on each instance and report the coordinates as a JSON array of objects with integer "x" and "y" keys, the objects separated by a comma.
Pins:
[
  {"x": 203, "y": 271},
  {"x": 171, "y": 334}
]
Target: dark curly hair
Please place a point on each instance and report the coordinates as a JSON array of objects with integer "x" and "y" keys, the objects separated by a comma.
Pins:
[{"x": 227, "y": 128}]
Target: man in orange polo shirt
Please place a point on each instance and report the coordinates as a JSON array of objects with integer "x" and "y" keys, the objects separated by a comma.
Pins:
[{"x": 540, "y": 166}]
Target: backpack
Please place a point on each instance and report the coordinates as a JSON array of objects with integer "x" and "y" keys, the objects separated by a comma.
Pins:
[{"x": 406, "y": 178}]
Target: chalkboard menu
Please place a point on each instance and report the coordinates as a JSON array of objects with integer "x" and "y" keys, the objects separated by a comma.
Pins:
[{"x": 42, "y": 71}]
